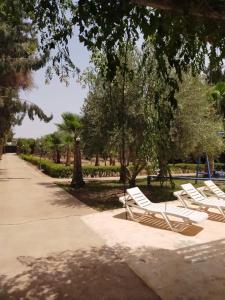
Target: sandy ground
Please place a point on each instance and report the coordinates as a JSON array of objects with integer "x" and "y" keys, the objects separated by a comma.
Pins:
[
  {"x": 54, "y": 247},
  {"x": 190, "y": 265},
  {"x": 47, "y": 251}
]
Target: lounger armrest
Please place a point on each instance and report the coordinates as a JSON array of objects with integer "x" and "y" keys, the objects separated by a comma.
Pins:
[
  {"x": 124, "y": 199},
  {"x": 180, "y": 196}
]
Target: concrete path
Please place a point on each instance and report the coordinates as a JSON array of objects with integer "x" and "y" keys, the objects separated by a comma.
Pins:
[
  {"x": 178, "y": 266},
  {"x": 47, "y": 251}
]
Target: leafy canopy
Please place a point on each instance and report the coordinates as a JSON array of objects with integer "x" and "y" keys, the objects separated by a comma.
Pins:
[{"x": 183, "y": 32}]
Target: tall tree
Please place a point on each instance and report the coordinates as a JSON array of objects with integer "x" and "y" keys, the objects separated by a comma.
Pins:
[
  {"x": 183, "y": 32},
  {"x": 197, "y": 123},
  {"x": 72, "y": 125},
  {"x": 122, "y": 109},
  {"x": 18, "y": 56}
]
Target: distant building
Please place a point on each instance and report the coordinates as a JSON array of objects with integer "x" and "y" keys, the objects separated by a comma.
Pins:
[{"x": 11, "y": 147}]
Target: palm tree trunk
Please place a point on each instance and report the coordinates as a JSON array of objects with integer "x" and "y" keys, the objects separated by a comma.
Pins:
[
  {"x": 58, "y": 156},
  {"x": 77, "y": 180},
  {"x": 68, "y": 156}
]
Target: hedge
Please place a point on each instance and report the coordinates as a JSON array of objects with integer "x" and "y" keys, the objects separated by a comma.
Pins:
[
  {"x": 186, "y": 168},
  {"x": 191, "y": 168},
  {"x": 62, "y": 171}
]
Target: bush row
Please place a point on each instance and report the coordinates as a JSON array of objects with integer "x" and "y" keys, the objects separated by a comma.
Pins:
[
  {"x": 48, "y": 167},
  {"x": 191, "y": 168},
  {"x": 62, "y": 171},
  {"x": 186, "y": 168}
]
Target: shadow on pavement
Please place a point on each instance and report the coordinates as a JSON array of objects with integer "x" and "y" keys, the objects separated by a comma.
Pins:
[
  {"x": 61, "y": 197},
  {"x": 192, "y": 272},
  {"x": 94, "y": 274}
]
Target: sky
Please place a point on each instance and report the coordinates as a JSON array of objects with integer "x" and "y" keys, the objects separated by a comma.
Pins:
[{"x": 55, "y": 97}]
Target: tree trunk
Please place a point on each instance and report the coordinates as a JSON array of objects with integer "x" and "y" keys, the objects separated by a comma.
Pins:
[
  {"x": 68, "y": 156},
  {"x": 132, "y": 181},
  {"x": 1, "y": 149},
  {"x": 97, "y": 160},
  {"x": 163, "y": 171},
  {"x": 77, "y": 180},
  {"x": 123, "y": 177},
  {"x": 112, "y": 161},
  {"x": 58, "y": 156},
  {"x": 211, "y": 166}
]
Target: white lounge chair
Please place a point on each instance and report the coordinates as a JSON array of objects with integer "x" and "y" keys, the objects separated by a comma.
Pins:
[
  {"x": 214, "y": 189},
  {"x": 197, "y": 198},
  {"x": 135, "y": 198}
]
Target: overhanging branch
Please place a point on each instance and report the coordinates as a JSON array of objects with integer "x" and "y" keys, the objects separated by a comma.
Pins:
[{"x": 204, "y": 9}]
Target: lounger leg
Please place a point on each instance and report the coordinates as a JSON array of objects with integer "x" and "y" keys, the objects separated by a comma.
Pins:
[
  {"x": 183, "y": 203},
  {"x": 131, "y": 213},
  {"x": 168, "y": 222},
  {"x": 221, "y": 211}
]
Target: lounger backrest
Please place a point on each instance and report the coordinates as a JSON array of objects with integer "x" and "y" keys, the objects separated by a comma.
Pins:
[
  {"x": 139, "y": 198},
  {"x": 192, "y": 192},
  {"x": 214, "y": 188},
  {"x": 179, "y": 193}
]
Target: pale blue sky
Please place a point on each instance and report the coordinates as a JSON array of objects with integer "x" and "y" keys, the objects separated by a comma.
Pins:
[{"x": 55, "y": 97}]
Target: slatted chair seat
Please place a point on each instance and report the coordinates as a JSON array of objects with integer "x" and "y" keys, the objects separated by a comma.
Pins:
[
  {"x": 196, "y": 197},
  {"x": 135, "y": 198},
  {"x": 214, "y": 189}
]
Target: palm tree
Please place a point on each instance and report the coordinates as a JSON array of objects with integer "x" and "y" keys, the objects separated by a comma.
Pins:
[
  {"x": 67, "y": 142},
  {"x": 72, "y": 125},
  {"x": 55, "y": 141}
]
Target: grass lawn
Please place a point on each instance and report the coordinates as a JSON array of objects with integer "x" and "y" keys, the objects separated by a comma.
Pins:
[{"x": 103, "y": 195}]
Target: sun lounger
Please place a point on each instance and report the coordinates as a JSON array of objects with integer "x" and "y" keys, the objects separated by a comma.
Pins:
[
  {"x": 214, "y": 189},
  {"x": 197, "y": 198},
  {"x": 136, "y": 199}
]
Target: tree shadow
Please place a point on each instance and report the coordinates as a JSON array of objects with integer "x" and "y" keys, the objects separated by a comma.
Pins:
[
  {"x": 62, "y": 197},
  {"x": 85, "y": 197},
  {"x": 191, "y": 272},
  {"x": 97, "y": 273}
]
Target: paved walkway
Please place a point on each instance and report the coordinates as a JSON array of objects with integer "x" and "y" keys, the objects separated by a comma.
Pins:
[{"x": 47, "y": 251}]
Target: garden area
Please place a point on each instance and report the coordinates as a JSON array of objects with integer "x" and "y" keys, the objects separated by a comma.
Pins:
[{"x": 119, "y": 192}]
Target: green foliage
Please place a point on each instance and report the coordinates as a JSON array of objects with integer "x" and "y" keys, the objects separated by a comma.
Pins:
[
  {"x": 71, "y": 124},
  {"x": 26, "y": 146},
  {"x": 186, "y": 168},
  {"x": 182, "y": 35},
  {"x": 61, "y": 171},
  {"x": 50, "y": 168},
  {"x": 18, "y": 57},
  {"x": 125, "y": 111},
  {"x": 100, "y": 171},
  {"x": 191, "y": 168},
  {"x": 218, "y": 95},
  {"x": 196, "y": 123}
]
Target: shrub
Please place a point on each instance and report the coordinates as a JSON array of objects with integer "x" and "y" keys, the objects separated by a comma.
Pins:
[
  {"x": 186, "y": 168},
  {"x": 191, "y": 168},
  {"x": 61, "y": 171},
  {"x": 50, "y": 168}
]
